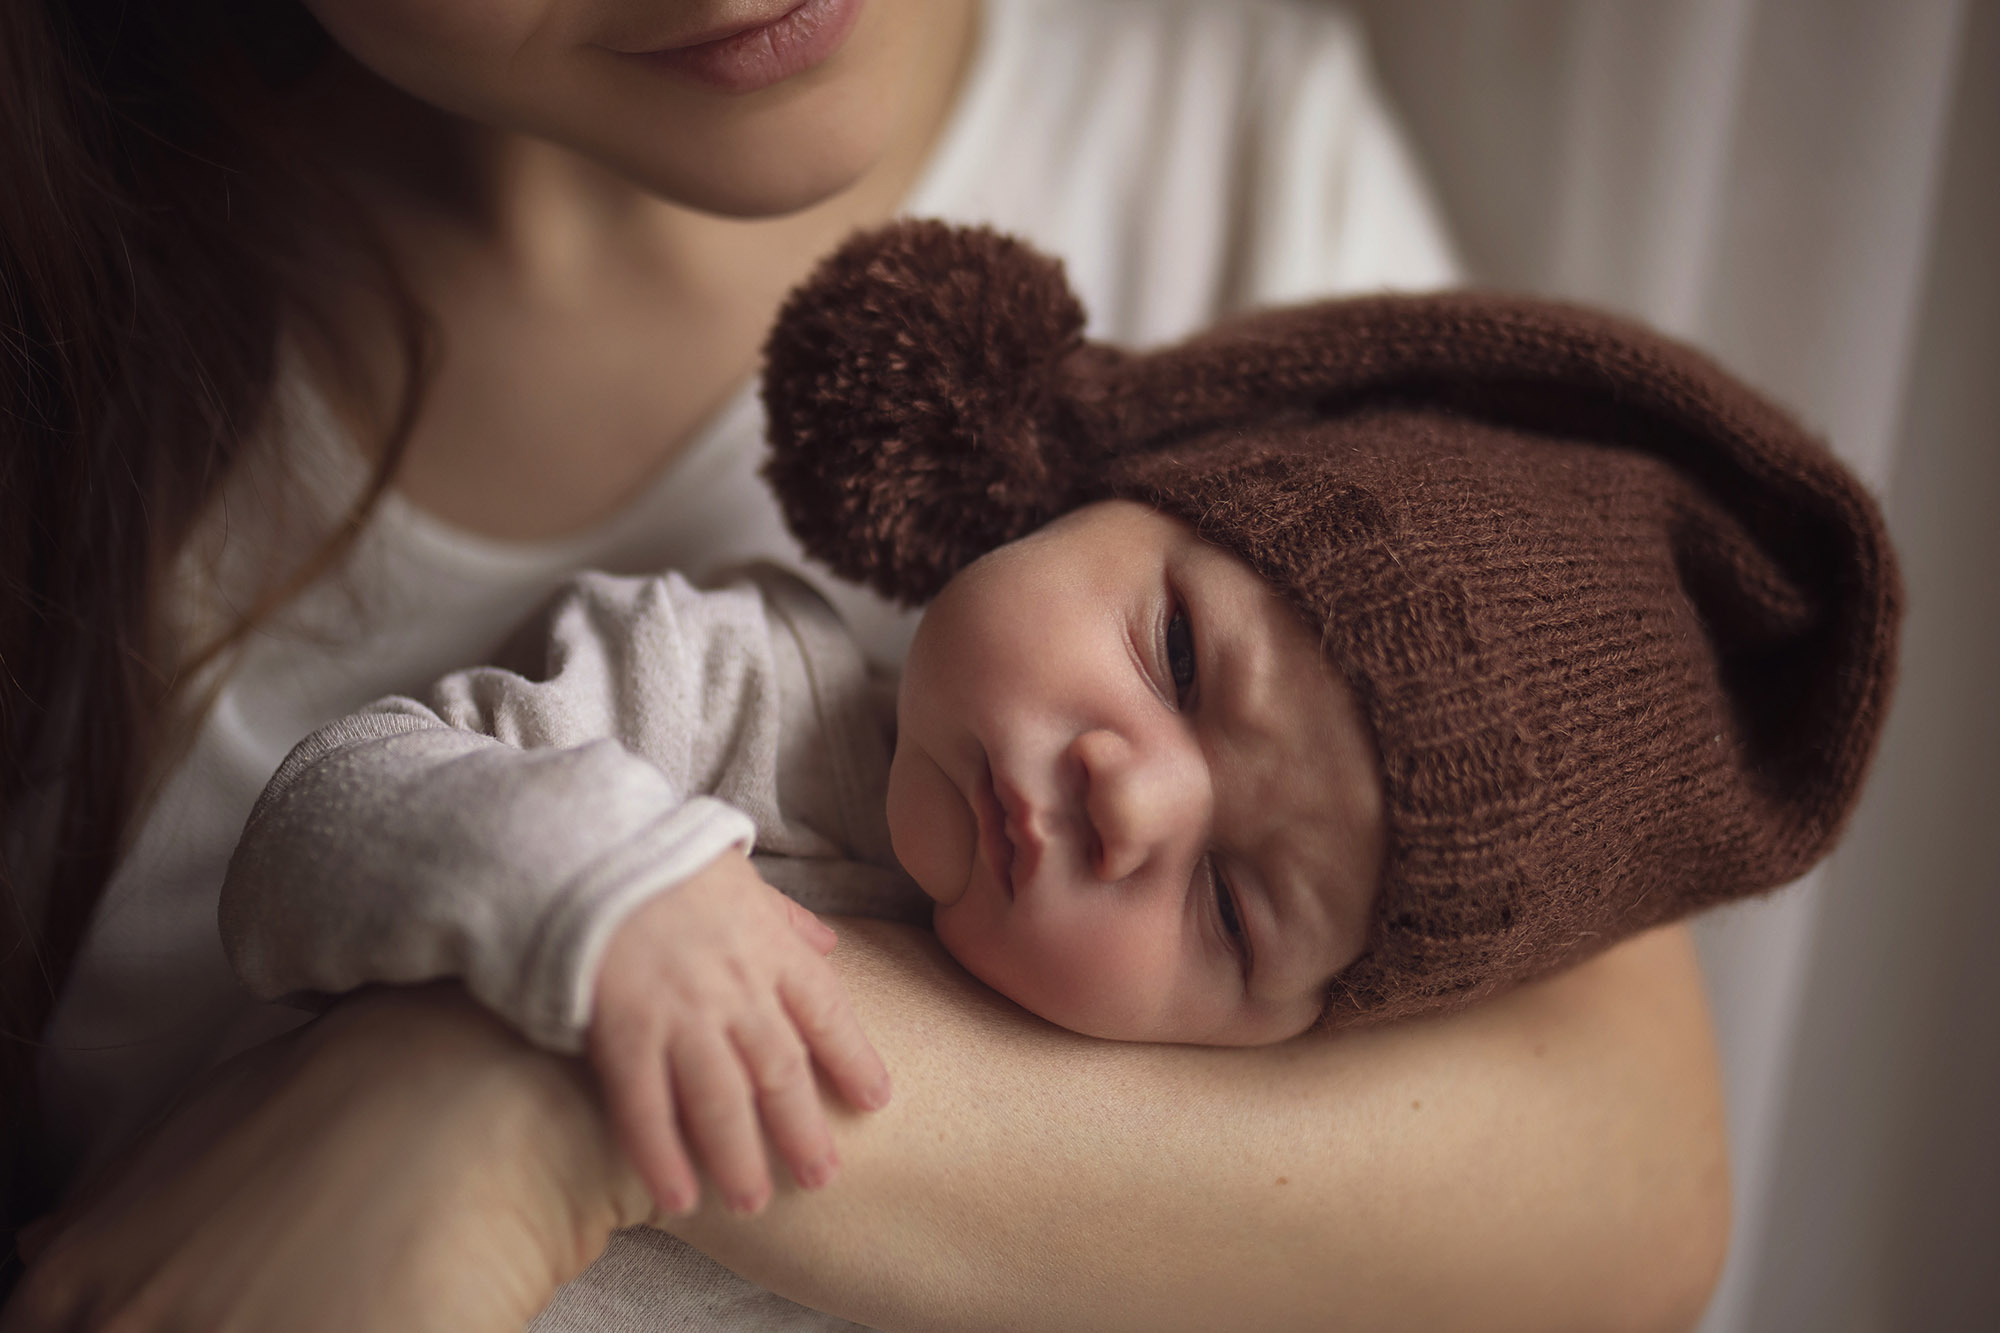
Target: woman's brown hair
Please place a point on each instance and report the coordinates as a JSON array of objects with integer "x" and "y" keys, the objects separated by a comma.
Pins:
[{"x": 155, "y": 224}]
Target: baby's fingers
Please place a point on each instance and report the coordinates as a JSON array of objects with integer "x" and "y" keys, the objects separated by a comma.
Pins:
[
  {"x": 811, "y": 929},
  {"x": 719, "y": 1115},
  {"x": 637, "y": 1085},
  {"x": 818, "y": 1004},
  {"x": 787, "y": 1096}
]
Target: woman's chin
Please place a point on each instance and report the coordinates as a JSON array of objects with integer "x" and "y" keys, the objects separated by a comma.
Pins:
[{"x": 781, "y": 189}]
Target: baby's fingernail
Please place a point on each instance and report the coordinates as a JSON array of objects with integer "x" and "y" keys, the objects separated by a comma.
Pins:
[
  {"x": 745, "y": 1205},
  {"x": 679, "y": 1203},
  {"x": 878, "y": 1096},
  {"x": 819, "y": 1173}
]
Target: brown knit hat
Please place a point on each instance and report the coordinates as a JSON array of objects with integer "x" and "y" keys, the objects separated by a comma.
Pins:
[{"x": 1624, "y": 632}]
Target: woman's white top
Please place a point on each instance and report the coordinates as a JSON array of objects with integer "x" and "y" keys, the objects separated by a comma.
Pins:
[{"x": 1185, "y": 158}]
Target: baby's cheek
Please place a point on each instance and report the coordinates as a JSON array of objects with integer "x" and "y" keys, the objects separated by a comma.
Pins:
[
  {"x": 1084, "y": 982},
  {"x": 931, "y": 827},
  {"x": 975, "y": 931}
]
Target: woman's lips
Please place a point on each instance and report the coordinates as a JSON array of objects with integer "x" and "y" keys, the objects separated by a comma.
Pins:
[{"x": 749, "y": 59}]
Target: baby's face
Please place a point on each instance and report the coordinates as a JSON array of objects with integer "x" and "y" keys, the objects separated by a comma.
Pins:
[{"x": 1145, "y": 806}]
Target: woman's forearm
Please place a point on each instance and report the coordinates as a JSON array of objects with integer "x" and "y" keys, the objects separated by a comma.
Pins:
[
  {"x": 405, "y": 1162},
  {"x": 1551, "y": 1160}
]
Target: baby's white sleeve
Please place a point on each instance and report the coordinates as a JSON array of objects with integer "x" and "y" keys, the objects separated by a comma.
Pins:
[{"x": 499, "y": 835}]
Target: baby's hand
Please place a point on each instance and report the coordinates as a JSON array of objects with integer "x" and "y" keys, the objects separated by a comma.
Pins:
[{"x": 716, "y": 997}]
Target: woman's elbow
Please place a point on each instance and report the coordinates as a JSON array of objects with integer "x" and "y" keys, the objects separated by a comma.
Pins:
[
  {"x": 1680, "y": 1271},
  {"x": 1683, "y": 1207}
]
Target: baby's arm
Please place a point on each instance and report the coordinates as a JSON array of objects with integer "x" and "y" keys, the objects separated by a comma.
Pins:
[
  {"x": 521, "y": 834},
  {"x": 393, "y": 847}
]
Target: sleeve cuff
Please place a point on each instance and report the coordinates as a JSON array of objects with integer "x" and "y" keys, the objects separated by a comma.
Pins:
[{"x": 560, "y": 974}]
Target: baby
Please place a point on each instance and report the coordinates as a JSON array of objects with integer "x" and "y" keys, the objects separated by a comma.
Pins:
[{"x": 1344, "y": 663}]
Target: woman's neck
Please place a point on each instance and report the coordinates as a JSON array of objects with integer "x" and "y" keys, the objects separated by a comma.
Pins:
[
  {"x": 544, "y": 211},
  {"x": 588, "y": 326}
]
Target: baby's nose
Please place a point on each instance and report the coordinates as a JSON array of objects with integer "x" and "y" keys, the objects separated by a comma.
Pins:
[{"x": 1139, "y": 805}]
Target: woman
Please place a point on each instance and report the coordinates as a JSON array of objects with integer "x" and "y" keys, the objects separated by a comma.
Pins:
[{"x": 520, "y": 257}]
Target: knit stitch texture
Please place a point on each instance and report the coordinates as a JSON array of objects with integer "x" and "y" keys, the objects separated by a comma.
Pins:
[{"x": 1625, "y": 633}]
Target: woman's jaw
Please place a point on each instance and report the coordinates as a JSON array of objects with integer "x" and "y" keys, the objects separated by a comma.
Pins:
[{"x": 745, "y": 110}]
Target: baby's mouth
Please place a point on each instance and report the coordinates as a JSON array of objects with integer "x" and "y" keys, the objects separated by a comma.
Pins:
[
  {"x": 1025, "y": 842},
  {"x": 993, "y": 840}
]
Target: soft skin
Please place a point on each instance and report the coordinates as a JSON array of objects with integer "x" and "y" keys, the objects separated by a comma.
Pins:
[
  {"x": 1148, "y": 810},
  {"x": 577, "y": 73},
  {"x": 1145, "y": 804},
  {"x": 567, "y": 248},
  {"x": 1551, "y": 1160},
  {"x": 714, "y": 1004}
]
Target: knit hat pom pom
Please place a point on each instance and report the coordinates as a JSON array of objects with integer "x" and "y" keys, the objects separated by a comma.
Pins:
[{"x": 910, "y": 386}]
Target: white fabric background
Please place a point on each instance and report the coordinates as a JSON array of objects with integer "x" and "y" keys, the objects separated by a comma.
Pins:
[{"x": 1811, "y": 190}]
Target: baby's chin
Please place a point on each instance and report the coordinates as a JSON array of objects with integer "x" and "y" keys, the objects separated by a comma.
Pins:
[
  {"x": 1040, "y": 985},
  {"x": 1029, "y": 980}
]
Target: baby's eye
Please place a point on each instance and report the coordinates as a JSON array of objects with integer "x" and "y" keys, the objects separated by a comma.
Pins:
[
  {"x": 1180, "y": 653},
  {"x": 1225, "y": 909}
]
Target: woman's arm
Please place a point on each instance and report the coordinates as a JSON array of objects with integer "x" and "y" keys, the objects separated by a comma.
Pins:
[
  {"x": 404, "y": 1162},
  {"x": 1551, "y": 1160}
]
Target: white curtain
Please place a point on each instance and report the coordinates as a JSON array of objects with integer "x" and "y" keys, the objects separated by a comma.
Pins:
[{"x": 1811, "y": 190}]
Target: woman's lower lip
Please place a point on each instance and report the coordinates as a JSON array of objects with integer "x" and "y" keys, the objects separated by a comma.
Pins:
[{"x": 757, "y": 58}]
